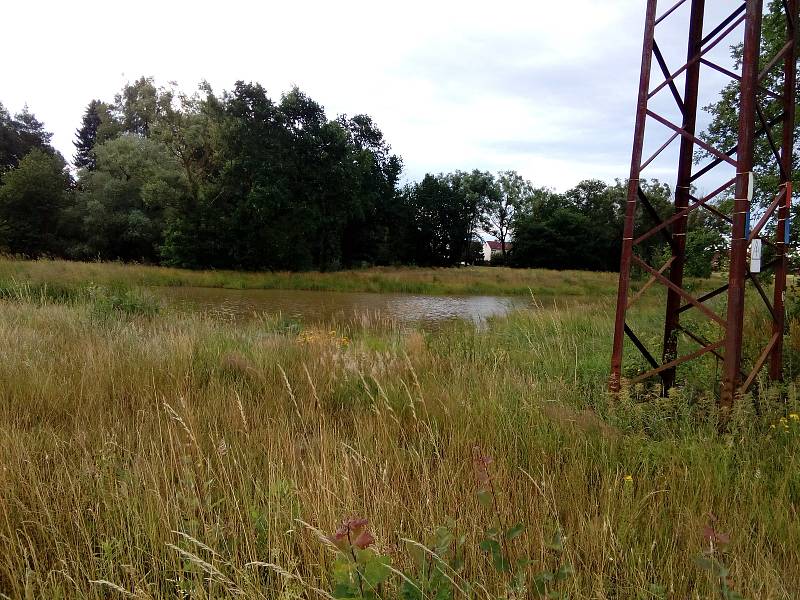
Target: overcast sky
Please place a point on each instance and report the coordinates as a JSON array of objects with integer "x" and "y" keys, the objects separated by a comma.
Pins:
[{"x": 545, "y": 87}]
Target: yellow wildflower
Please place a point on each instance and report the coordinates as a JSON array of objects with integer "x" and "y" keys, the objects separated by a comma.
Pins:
[
  {"x": 628, "y": 478},
  {"x": 794, "y": 417}
]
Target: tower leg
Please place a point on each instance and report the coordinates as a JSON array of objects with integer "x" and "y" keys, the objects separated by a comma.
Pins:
[
  {"x": 633, "y": 187},
  {"x": 744, "y": 168},
  {"x": 787, "y": 147},
  {"x": 685, "y": 161}
]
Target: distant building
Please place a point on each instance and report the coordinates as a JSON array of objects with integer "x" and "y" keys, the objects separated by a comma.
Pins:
[{"x": 493, "y": 248}]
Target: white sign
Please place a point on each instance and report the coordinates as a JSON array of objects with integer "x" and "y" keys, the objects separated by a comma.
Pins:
[{"x": 755, "y": 256}]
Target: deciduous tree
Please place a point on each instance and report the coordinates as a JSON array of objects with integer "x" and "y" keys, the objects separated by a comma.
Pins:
[{"x": 32, "y": 196}]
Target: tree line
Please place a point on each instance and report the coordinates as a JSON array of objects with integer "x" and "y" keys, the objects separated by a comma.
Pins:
[{"x": 239, "y": 180}]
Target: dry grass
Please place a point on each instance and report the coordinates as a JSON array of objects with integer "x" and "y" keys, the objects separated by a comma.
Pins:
[
  {"x": 173, "y": 456},
  {"x": 465, "y": 280}
]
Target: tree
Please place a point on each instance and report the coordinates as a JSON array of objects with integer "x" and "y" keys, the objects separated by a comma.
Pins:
[
  {"x": 722, "y": 132},
  {"x": 564, "y": 240},
  {"x": 705, "y": 242},
  {"x": 140, "y": 105},
  {"x": 125, "y": 202},
  {"x": 582, "y": 228},
  {"x": 470, "y": 193},
  {"x": 191, "y": 131},
  {"x": 31, "y": 131},
  {"x": 509, "y": 192},
  {"x": 32, "y": 196},
  {"x": 97, "y": 126},
  {"x": 8, "y": 140},
  {"x": 445, "y": 210},
  {"x": 278, "y": 186},
  {"x": 377, "y": 231},
  {"x": 19, "y": 135}
]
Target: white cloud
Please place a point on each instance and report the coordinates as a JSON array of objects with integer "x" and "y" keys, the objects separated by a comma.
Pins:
[{"x": 547, "y": 88}]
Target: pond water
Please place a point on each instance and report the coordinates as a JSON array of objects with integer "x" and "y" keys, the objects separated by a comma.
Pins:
[{"x": 317, "y": 307}]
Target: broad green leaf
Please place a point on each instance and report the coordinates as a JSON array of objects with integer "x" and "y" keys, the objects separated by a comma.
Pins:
[
  {"x": 376, "y": 570},
  {"x": 485, "y": 498},
  {"x": 418, "y": 555},
  {"x": 557, "y": 543},
  {"x": 501, "y": 563},
  {"x": 515, "y": 531},
  {"x": 523, "y": 563},
  {"x": 563, "y": 572},
  {"x": 409, "y": 591}
]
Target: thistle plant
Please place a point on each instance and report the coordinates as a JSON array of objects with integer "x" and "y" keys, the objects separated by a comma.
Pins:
[
  {"x": 713, "y": 558},
  {"x": 358, "y": 571}
]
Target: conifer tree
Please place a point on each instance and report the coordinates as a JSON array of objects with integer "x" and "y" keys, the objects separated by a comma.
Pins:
[{"x": 86, "y": 136}]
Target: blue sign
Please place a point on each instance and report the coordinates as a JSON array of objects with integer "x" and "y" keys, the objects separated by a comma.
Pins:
[{"x": 787, "y": 230}]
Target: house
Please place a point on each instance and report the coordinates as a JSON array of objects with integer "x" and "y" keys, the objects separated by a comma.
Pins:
[{"x": 493, "y": 248}]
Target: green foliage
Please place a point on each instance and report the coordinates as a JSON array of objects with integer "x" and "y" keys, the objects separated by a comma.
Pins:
[
  {"x": 19, "y": 135},
  {"x": 242, "y": 181},
  {"x": 437, "y": 568},
  {"x": 124, "y": 203},
  {"x": 97, "y": 126},
  {"x": 510, "y": 192},
  {"x": 32, "y": 196},
  {"x": 114, "y": 300},
  {"x": 713, "y": 559},
  {"x": 282, "y": 187},
  {"x": 582, "y": 228},
  {"x": 722, "y": 132},
  {"x": 434, "y": 566},
  {"x": 103, "y": 300},
  {"x": 140, "y": 105},
  {"x": 499, "y": 544},
  {"x": 444, "y": 211},
  {"x": 358, "y": 571}
]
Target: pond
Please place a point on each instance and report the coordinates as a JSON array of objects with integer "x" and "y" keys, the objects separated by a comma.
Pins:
[{"x": 319, "y": 307}]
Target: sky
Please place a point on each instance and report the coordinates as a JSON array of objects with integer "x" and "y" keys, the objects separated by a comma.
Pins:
[{"x": 544, "y": 87}]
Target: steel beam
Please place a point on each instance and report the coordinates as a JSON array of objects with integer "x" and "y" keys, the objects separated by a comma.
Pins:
[
  {"x": 752, "y": 123},
  {"x": 784, "y": 209},
  {"x": 685, "y": 160},
  {"x": 633, "y": 190},
  {"x": 741, "y": 205}
]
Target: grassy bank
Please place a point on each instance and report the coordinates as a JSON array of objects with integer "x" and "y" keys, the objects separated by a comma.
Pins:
[
  {"x": 156, "y": 454},
  {"x": 461, "y": 281}
]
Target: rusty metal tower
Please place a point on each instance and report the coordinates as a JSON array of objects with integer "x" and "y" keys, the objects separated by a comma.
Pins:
[{"x": 752, "y": 124}]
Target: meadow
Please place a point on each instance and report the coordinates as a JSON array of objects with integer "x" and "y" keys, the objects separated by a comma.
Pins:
[
  {"x": 147, "y": 452},
  {"x": 409, "y": 280}
]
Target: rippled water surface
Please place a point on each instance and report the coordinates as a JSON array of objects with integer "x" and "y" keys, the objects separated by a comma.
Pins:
[{"x": 314, "y": 306}]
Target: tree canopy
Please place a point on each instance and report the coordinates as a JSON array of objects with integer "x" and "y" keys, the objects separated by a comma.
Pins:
[{"x": 243, "y": 180}]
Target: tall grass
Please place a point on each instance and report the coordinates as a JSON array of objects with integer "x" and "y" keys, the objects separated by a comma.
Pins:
[
  {"x": 172, "y": 455},
  {"x": 411, "y": 280}
]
